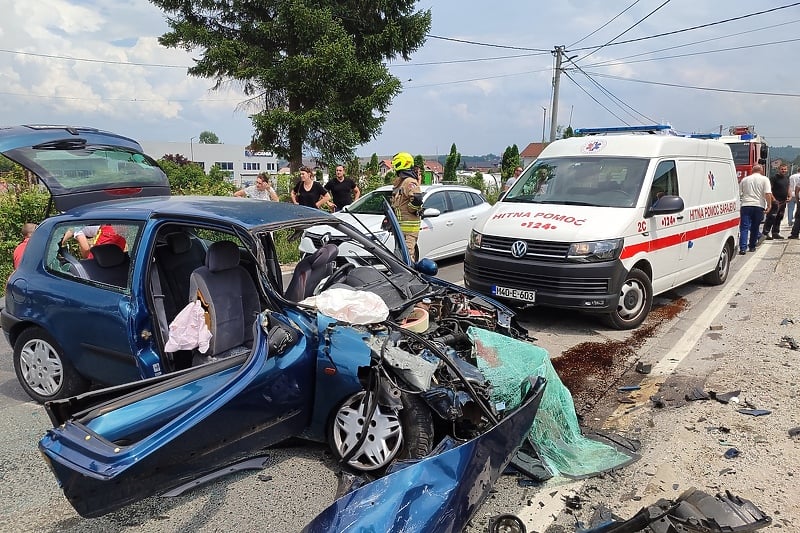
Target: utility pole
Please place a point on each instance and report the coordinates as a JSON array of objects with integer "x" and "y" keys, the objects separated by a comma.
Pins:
[
  {"x": 544, "y": 121},
  {"x": 558, "y": 51}
]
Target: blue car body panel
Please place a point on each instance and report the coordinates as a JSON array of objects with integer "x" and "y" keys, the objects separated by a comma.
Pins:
[{"x": 440, "y": 493}]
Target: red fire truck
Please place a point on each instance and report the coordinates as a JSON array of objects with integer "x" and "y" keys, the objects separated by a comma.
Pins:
[{"x": 748, "y": 148}]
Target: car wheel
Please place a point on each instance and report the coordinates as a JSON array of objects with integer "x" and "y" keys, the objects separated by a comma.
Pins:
[
  {"x": 391, "y": 434},
  {"x": 41, "y": 368},
  {"x": 635, "y": 300},
  {"x": 719, "y": 275}
]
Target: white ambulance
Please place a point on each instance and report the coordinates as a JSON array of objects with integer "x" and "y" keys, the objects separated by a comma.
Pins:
[{"x": 602, "y": 223}]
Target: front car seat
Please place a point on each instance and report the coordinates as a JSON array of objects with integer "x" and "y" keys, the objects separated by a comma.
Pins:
[
  {"x": 310, "y": 271},
  {"x": 231, "y": 296}
]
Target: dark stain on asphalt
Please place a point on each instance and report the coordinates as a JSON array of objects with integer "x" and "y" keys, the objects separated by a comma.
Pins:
[{"x": 590, "y": 369}]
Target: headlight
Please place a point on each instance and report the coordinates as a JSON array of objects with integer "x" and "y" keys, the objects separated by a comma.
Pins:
[
  {"x": 475, "y": 240},
  {"x": 587, "y": 252}
]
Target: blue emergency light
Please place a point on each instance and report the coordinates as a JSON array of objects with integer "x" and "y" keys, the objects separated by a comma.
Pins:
[
  {"x": 624, "y": 129},
  {"x": 704, "y": 135}
]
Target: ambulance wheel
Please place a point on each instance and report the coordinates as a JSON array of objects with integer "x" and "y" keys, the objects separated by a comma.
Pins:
[
  {"x": 720, "y": 272},
  {"x": 635, "y": 300}
]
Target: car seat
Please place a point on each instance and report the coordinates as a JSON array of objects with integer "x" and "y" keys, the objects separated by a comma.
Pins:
[
  {"x": 109, "y": 264},
  {"x": 230, "y": 297},
  {"x": 310, "y": 271},
  {"x": 176, "y": 259}
]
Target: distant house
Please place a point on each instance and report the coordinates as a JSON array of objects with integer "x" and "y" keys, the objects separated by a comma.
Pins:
[{"x": 530, "y": 153}]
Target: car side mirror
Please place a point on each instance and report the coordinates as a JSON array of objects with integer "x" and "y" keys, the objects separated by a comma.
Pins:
[
  {"x": 666, "y": 205},
  {"x": 764, "y": 151},
  {"x": 431, "y": 212},
  {"x": 426, "y": 266}
]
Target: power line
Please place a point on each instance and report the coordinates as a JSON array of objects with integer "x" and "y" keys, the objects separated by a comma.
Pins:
[
  {"x": 86, "y": 60},
  {"x": 626, "y": 31},
  {"x": 714, "y": 89},
  {"x": 614, "y": 97},
  {"x": 478, "y": 43},
  {"x": 477, "y": 79},
  {"x": 595, "y": 99},
  {"x": 104, "y": 99},
  {"x": 449, "y": 62},
  {"x": 674, "y": 32},
  {"x": 606, "y": 24}
]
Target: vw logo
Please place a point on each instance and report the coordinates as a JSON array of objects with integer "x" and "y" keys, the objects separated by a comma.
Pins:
[{"x": 519, "y": 249}]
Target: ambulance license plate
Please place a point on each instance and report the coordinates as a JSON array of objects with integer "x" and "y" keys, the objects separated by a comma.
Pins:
[{"x": 514, "y": 294}]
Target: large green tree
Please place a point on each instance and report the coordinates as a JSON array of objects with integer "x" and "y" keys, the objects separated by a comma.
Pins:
[
  {"x": 314, "y": 70},
  {"x": 510, "y": 161},
  {"x": 208, "y": 137}
]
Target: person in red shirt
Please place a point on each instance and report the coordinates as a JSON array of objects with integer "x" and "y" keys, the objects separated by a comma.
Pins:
[{"x": 27, "y": 230}]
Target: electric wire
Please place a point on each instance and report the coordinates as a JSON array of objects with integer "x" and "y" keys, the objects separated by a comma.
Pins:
[
  {"x": 696, "y": 87},
  {"x": 614, "y": 97},
  {"x": 615, "y": 17},
  {"x": 626, "y": 31},
  {"x": 595, "y": 99}
]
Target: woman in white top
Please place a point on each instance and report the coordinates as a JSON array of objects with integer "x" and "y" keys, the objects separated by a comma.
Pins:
[{"x": 261, "y": 190}]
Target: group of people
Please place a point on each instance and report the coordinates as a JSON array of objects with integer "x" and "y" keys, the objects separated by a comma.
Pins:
[
  {"x": 766, "y": 199},
  {"x": 334, "y": 195}
]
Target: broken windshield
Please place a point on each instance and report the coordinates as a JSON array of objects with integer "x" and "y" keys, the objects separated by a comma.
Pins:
[{"x": 591, "y": 181}]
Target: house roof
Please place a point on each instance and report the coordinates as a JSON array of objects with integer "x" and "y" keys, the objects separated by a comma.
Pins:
[{"x": 532, "y": 150}]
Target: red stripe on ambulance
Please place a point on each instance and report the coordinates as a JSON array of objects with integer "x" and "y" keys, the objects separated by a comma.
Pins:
[{"x": 677, "y": 238}]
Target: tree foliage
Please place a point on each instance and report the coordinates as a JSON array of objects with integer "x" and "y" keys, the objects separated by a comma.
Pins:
[
  {"x": 192, "y": 180},
  {"x": 208, "y": 137},
  {"x": 419, "y": 161},
  {"x": 510, "y": 161},
  {"x": 451, "y": 164},
  {"x": 315, "y": 71}
]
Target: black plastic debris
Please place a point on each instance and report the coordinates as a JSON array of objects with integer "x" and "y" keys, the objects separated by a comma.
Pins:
[
  {"x": 696, "y": 394},
  {"x": 724, "y": 397},
  {"x": 754, "y": 412},
  {"x": 789, "y": 342},
  {"x": 658, "y": 401},
  {"x": 694, "y": 511},
  {"x": 506, "y": 523},
  {"x": 786, "y": 321},
  {"x": 629, "y": 388},
  {"x": 573, "y": 502},
  {"x": 731, "y": 453},
  {"x": 644, "y": 368},
  {"x": 794, "y": 432}
]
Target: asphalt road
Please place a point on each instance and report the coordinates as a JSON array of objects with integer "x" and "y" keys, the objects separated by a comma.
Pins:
[{"x": 300, "y": 481}]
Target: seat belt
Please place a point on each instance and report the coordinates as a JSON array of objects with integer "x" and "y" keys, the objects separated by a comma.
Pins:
[{"x": 158, "y": 303}]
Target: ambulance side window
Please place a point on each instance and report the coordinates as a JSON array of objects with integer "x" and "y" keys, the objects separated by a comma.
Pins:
[{"x": 665, "y": 181}]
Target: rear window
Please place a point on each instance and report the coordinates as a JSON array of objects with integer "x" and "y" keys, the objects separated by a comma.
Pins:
[{"x": 73, "y": 167}]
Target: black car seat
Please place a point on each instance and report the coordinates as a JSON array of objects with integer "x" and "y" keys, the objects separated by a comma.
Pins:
[
  {"x": 231, "y": 297},
  {"x": 310, "y": 271},
  {"x": 176, "y": 259},
  {"x": 109, "y": 264}
]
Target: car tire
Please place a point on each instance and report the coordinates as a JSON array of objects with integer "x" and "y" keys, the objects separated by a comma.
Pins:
[
  {"x": 41, "y": 368},
  {"x": 635, "y": 301},
  {"x": 393, "y": 434},
  {"x": 719, "y": 275}
]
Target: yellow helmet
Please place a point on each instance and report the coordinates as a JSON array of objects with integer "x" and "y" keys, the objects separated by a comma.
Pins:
[{"x": 402, "y": 161}]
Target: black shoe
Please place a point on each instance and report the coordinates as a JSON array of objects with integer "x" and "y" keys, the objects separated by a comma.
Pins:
[
  {"x": 768, "y": 237},
  {"x": 742, "y": 252},
  {"x": 793, "y": 237},
  {"x": 777, "y": 236},
  {"x": 752, "y": 249}
]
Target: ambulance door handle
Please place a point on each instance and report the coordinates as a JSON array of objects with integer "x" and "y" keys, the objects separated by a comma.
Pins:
[{"x": 679, "y": 217}]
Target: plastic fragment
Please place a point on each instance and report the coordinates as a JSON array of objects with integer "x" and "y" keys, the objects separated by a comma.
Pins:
[
  {"x": 696, "y": 393},
  {"x": 628, "y": 388},
  {"x": 794, "y": 432},
  {"x": 754, "y": 412},
  {"x": 730, "y": 453},
  {"x": 725, "y": 397},
  {"x": 789, "y": 342}
]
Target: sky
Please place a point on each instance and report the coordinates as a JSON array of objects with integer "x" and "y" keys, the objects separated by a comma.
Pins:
[{"x": 483, "y": 80}]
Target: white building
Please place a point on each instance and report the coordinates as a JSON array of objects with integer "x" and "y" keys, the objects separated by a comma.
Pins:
[{"x": 241, "y": 164}]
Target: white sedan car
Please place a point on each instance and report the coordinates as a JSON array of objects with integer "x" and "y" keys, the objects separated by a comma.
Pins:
[{"x": 448, "y": 214}]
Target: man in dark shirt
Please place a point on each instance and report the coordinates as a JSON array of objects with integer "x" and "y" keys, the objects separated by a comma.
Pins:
[
  {"x": 780, "y": 195},
  {"x": 343, "y": 190}
]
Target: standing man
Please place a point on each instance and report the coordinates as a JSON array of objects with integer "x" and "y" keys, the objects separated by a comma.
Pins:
[
  {"x": 343, "y": 190},
  {"x": 794, "y": 182},
  {"x": 27, "y": 230},
  {"x": 261, "y": 190},
  {"x": 512, "y": 180},
  {"x": 755, "y": 193},
  {"x": 780, "y": 195},
  {"x": 407, "y": 199}
]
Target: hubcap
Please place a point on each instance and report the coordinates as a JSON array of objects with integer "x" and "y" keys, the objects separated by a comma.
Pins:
[
  {"x": 723, "y": 265},
  {"x": 384, "y": 434},
  {"x": 41, "y": 367},
  {"x": 631, "y": 300}
]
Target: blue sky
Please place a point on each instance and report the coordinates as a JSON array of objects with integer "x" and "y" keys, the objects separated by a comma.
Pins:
[{"x": 113, "y": 74}]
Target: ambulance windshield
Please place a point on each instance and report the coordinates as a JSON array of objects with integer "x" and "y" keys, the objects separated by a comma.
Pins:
[{"x": 594, "y": 181}]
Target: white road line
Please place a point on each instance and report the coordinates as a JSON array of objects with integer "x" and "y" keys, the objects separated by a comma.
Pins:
[{"x": 538, "y": 517}]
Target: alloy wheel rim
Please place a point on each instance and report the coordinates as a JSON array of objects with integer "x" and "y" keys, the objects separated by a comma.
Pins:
[{"x": 41, "y": 367}]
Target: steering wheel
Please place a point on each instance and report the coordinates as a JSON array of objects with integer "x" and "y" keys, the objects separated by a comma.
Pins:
[{"x": 340, "y": 272}]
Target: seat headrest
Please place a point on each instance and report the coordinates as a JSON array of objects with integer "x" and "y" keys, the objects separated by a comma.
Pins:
[
  {"x": 325, "y": 254},
  {"x": 108, "y": 255},
  {"x": 222, "y": 255},
  {"x": 179, "y": 243}
]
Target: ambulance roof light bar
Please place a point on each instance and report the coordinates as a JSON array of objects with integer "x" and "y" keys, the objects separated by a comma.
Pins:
[
  {"x": 704, "y": 135},
  {"x": 654, "y": 128}
]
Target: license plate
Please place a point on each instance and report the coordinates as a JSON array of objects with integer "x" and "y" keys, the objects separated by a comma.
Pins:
[{"x": 514, "y": 294}]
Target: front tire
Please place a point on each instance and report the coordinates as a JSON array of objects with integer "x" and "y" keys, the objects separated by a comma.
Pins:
[
  {"x": 719, "y": 275},
  {"x": 391, "y": 435},
  {"x": 42, "y": 370},
  {"x": 635, "y": 301}
]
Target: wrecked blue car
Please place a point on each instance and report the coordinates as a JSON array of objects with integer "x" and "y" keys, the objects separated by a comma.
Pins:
[{"x": 180, "y": 339}]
